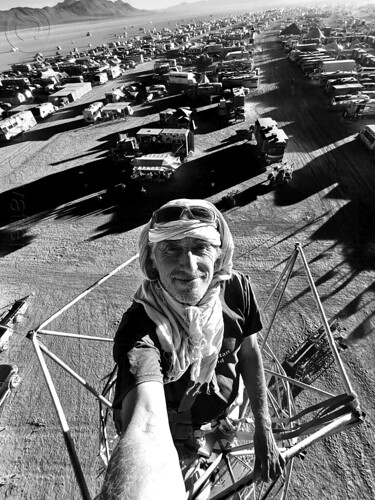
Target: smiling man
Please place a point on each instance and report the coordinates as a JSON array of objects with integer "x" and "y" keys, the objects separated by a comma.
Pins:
[{"x": 182, "y": 349}]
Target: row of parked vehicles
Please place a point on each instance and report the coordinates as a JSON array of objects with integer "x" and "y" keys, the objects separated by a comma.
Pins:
[{"x": 24, "y": 118}]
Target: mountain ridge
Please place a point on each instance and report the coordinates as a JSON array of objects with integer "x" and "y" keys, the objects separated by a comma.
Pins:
[{"x": 65, "y": 12}]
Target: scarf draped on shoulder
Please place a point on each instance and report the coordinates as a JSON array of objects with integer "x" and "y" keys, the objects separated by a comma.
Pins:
[{"x": 192, "y": 335}]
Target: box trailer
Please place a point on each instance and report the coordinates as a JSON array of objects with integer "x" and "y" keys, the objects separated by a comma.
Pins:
[{"x": 338, "y": 65}]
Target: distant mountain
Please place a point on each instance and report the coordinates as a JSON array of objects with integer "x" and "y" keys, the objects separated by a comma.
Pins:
[
  {"x": 216, "y": 7},
  {"x": 66, "y": 12}
]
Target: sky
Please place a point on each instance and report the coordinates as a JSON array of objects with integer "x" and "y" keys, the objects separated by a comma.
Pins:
[{"x": 138, "y": 4}]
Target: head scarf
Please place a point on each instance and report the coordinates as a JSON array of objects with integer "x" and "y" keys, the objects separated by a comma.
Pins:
[
  {"x": 191, "y": 335},
  {"x": 223, "y": 268}
]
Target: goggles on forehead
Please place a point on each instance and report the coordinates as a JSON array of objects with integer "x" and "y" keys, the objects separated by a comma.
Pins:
[{"x": 174, "y": 213}]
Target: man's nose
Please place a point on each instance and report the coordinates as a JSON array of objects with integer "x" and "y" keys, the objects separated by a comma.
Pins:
[{"x": 189, "y": 261}]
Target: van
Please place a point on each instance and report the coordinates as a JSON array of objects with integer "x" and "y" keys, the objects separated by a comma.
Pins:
[{"x": 367, "y": 137}]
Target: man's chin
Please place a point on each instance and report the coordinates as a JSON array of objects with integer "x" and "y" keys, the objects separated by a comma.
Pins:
[{"x": 189, "y": 296}]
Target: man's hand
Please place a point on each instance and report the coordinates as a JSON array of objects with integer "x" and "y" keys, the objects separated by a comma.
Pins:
[{"x": 269, "y": 463}]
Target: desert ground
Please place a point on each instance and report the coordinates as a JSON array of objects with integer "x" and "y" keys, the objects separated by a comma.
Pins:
[{"x": 63, "y": 228}]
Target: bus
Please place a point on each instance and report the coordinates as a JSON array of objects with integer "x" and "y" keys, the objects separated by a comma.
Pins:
[{"x": 16, "y": 124}]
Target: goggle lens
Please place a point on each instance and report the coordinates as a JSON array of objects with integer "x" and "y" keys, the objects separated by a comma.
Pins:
[{"x": 170, "y": 214}]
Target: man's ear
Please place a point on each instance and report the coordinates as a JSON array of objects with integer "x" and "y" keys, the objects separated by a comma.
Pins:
[
  {"x": 217, "y": 259},
  {"x": 151, "y": 256}
]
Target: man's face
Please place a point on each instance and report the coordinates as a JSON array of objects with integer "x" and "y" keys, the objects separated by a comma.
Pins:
[{"x": 185, "y": 268}]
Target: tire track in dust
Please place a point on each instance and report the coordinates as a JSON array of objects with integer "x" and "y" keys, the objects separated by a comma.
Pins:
[{"x": 13, "y": 164}]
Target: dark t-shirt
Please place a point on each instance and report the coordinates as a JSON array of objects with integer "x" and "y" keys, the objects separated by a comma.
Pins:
[{"x": 139, "y": 356}]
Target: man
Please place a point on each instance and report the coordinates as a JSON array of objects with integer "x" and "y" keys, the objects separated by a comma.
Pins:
[{"x": 182, "y": 349}]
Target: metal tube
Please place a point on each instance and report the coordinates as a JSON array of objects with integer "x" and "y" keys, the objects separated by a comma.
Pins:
[
  {"x": 338, "y": 424},
  {"x": 87, "y": 291},
  {"x": 290, "y": 266},
  {"x": 291, "y": 259},
  {"x": 298, "y": 383},
  {"x": 197, "y": 485},
  {"x": 325, "y": 323},
  {"x": 73, "y": 335},
  {"x": 63, "y": 422}
]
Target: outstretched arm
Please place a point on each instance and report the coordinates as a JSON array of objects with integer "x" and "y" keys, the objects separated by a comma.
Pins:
[
  {"x": 268, "y": 461},
  {"x": 144, "y": 464}
]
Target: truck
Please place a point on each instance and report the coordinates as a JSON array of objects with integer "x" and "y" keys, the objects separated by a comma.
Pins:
[
  {"x": 93, "y": 113},
  {"x": 271, "y": 140},
  {"x": 17, "y": 124}
]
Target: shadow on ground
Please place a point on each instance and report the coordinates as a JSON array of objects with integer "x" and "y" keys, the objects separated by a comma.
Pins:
[{"x": 101, "y": 187}]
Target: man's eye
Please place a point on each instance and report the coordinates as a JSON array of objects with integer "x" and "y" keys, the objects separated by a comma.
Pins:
[
  {"x": 201, "y": 248},
  {"x": 172, "y": 250}
]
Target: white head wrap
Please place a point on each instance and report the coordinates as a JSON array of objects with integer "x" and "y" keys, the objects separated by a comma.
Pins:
[
  {"x": 192, "y": 335},
  {"x": 200, "y": 230}
]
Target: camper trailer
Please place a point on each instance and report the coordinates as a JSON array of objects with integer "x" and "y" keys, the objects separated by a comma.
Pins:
[
  {"x": 271, "y": 140},
  {"x": 17, "y": 124}
]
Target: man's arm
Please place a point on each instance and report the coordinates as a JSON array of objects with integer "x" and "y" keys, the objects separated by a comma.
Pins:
[
  {"x": 144, "y": 464},
  {"x": 268, "y": 461}
]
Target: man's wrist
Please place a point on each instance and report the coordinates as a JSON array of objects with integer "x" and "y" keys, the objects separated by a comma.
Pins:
[{"x": 263, "y": 422}]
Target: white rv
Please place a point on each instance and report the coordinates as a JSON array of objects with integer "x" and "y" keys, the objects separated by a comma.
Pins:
[
  {"x": 182, "y": 78},
  {"x": 17, "y": 124}
]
